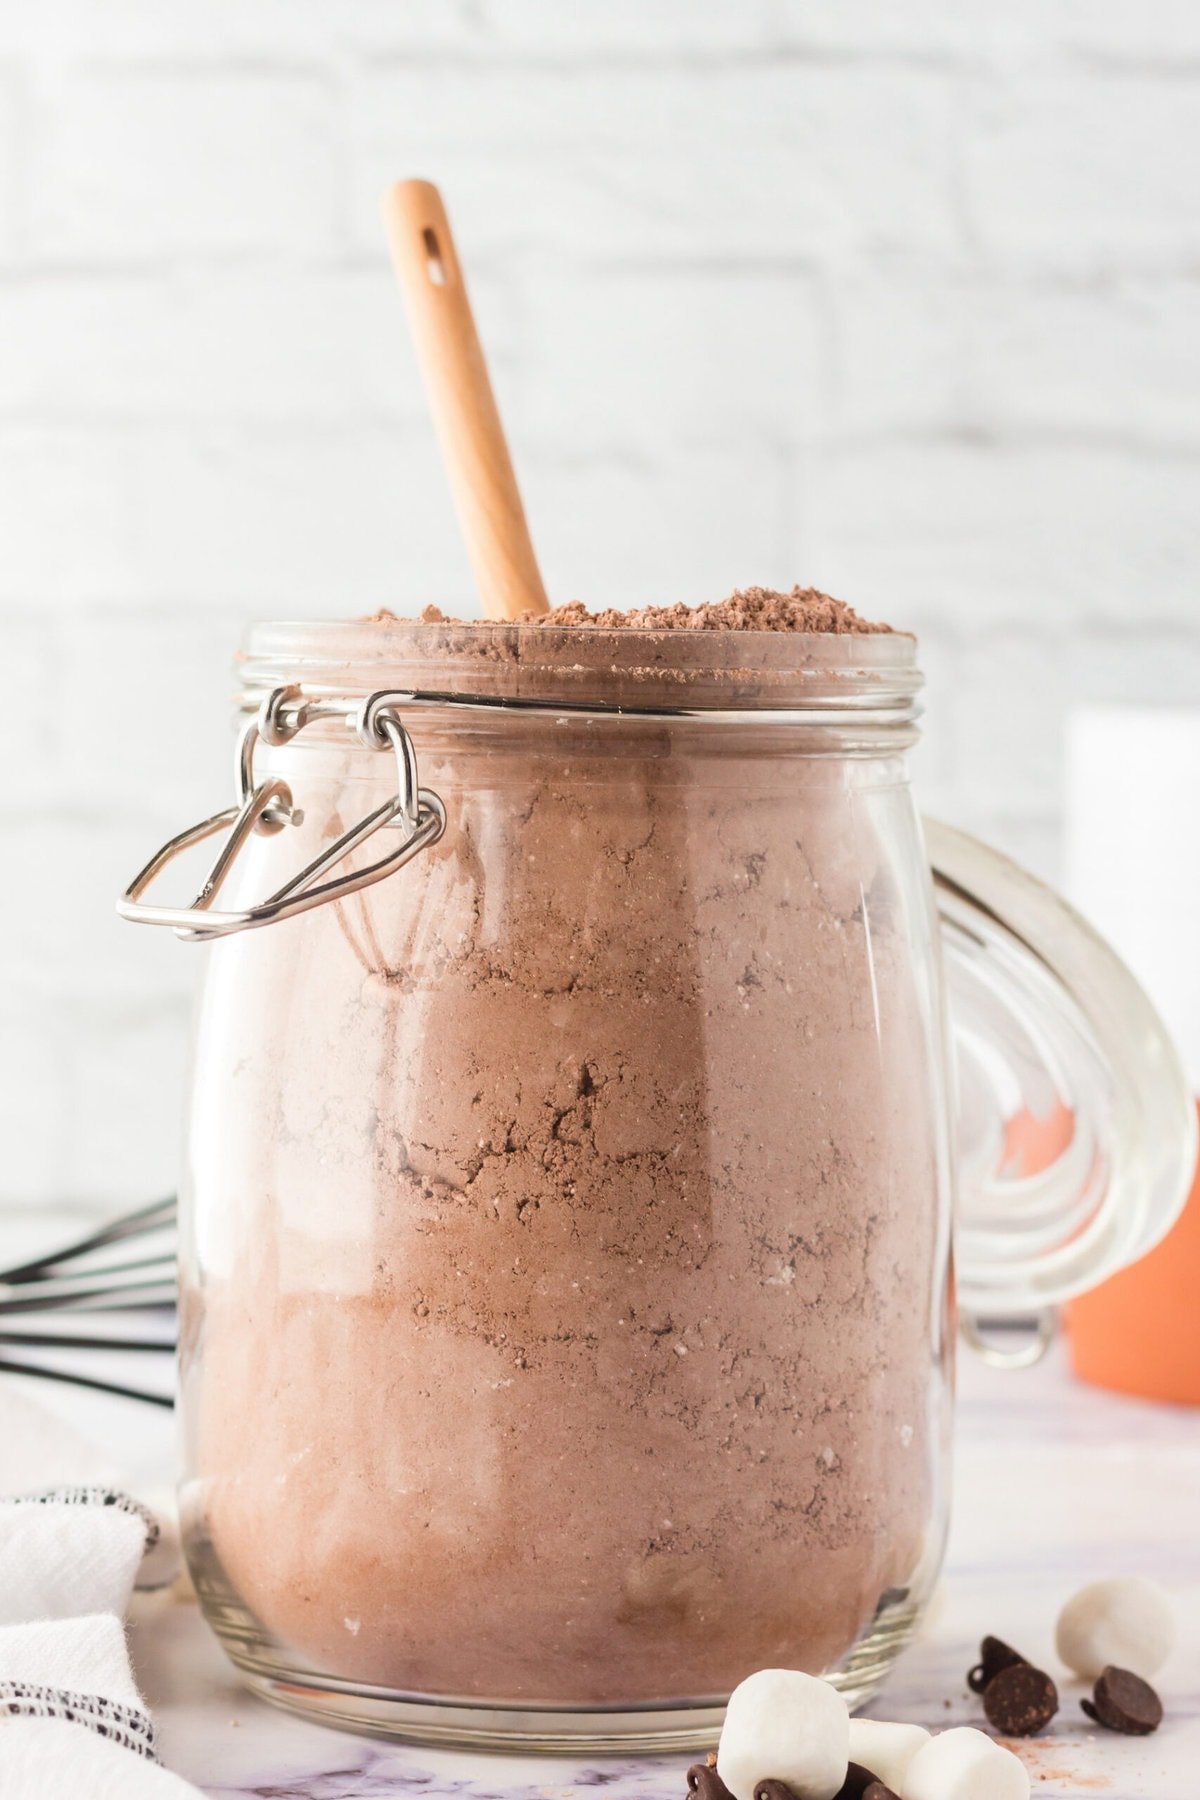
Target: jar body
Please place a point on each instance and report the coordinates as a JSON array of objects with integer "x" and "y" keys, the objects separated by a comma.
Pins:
[{"x": 565, "y": 1281}]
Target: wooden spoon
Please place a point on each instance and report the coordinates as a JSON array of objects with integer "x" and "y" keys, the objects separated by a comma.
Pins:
[{"x": 464, "y": 408}]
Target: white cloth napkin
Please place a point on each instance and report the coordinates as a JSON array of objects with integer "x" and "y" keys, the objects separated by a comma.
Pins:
[{"x": 73, "y": 1546}]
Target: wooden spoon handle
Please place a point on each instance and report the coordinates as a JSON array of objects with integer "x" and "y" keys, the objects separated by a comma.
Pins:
[{"x": 464, "y": 409}]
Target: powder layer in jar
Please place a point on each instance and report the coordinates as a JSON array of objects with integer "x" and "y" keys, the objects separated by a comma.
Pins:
[{"x": 562, "y": 1317}]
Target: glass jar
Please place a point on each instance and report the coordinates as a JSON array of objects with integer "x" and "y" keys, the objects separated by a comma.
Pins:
[{"x": 566, "y": 1302}]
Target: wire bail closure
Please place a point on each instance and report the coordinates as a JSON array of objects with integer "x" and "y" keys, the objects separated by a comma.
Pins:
[{"x": 267, "y": 807}]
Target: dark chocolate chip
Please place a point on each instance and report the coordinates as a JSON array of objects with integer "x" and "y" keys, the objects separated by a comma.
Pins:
[
  {"x": 994, "y": 1655},
  {"x": 1124, "y": 1702},
  {"x": 1020, "y": 1701},
  {"x": 773, "y": 1790},
  {"x": 705, "y": 1783},
  {"x": 857, "y": 1781},
  {"x": 877, "y": 1791}
]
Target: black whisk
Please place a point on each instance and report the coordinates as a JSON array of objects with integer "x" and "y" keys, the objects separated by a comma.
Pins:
[{"x": 111, "y": 1294}]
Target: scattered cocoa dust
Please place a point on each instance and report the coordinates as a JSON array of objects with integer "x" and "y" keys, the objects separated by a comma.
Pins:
[
  {"x": 1031, "y": 1752},
  {"x": 1074, "y": 1777}
]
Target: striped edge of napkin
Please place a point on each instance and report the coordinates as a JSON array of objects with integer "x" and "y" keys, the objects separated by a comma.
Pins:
[{"x": 72, "y": 1722}]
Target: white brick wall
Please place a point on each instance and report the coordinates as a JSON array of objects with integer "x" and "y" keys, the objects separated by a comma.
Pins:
[{"x": 901, "y": 299}]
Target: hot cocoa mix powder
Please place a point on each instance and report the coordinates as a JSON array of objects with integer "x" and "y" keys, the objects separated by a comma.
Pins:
[
  {"x": 746, "y": 609},
  {"x": 569, "y": 1212}
]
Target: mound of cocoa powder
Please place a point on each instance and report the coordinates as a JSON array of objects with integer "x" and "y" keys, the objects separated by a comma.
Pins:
[
  {"x": 565, "y": 1320},
  {"x": 746, "y": 609}
]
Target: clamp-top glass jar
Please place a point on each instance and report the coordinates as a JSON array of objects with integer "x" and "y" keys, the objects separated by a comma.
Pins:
[{"x": 566, "y": 1305}]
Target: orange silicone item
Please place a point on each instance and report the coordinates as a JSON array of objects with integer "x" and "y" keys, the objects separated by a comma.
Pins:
[{"x": 1139, "y": 1333}]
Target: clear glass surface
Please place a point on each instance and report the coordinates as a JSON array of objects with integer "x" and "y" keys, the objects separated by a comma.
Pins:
[
  {"x": 567, "y": 1238},
  {"x": 1076, "y": 1129}
]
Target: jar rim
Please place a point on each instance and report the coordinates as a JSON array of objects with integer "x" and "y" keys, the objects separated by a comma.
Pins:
[{"x": 579, "y": 665}]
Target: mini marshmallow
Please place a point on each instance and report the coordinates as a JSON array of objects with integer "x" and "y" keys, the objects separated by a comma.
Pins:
[
  {"x": 965, "y": 1764},
  {"x": 885, "y": 1749},
  {"x": 1126, "y": 1621},
  {"x": 781, "y": 1725}
]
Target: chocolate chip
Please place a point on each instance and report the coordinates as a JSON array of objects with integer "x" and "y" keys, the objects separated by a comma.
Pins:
[
  {"x": 1020, "y": 1700},
  {"x": 877, "y": 1791},
  {"x": 1124, "y": 1702},
  {"x": 773, "y": 1790},
  {"x": 857, "y": 1781},
  {"x": 994, "y": 1655},
  {"x": 705, "y": 1783}
]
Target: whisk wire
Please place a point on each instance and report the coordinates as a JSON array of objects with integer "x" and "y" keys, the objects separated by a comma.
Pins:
[
  {"x": 160, "y": 1214},
  {"x": 136, "y": 1291}
]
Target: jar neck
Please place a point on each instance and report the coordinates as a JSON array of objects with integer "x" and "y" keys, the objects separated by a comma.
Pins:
[
  {"x": 504, "y": 722},
  {"x": 862, "y": 684}
]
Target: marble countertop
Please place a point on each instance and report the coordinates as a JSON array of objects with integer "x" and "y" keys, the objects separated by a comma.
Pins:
[{"x": 1057, "y": 1484}]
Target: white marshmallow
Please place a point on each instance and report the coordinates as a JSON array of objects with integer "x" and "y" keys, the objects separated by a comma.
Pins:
[
  {"x": 965, "y": 1764},
  {"x": 1126, "y": 1621},
  {"x": 885, "y": 1749},
  {"x": 781, "y": 1725}
]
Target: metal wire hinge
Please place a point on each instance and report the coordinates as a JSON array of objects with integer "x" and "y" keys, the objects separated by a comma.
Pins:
[
  {"x": 266, "y": 807},
  {"x": 1026, "y": 1344}
]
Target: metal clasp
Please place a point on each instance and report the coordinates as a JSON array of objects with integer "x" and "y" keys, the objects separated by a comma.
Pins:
[{"x": 267, "y": 807}]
